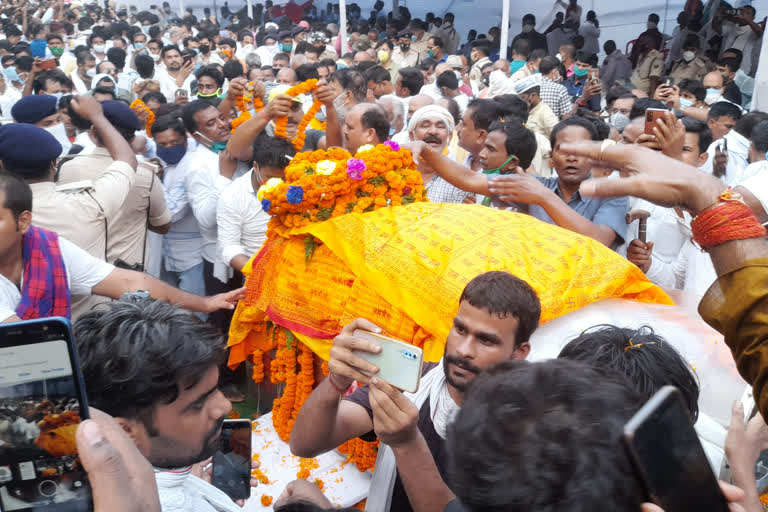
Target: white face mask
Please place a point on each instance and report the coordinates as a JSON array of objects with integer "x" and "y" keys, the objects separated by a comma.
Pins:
[
  {"x": 99, "y": 48},
  {"x": 91, "y": 72},
  {"x": 713, "y": 96},
  {"x": 155, "y": 56},
  {"x": 527, "y": 28},
  {"x": 559, "y": 57},
  {"x": 689, "y": 56},
  {"x": 60, "y": 133}
]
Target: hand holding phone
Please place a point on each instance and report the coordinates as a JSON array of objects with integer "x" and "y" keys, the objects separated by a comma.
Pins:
[
  {"x": 232, "y": 461},
  {"x": 668, "y": 457},
  {"x": 399, "y": 363},
  {"x": 651, "y": 116}
]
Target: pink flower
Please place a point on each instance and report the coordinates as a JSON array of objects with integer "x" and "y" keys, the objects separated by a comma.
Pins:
[
  {"x": 392, "y": 144},
  {"x": 355, "y": 168}
]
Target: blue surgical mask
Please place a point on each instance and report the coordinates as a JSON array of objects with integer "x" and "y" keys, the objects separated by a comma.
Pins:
[
  {"x": 391, "y": 131},
  {"x": 684, "y": 103},
  {"x": 173, "y": 154},
  {"x": 11, "y": 74},
  {"x": 138, "y": 46}
]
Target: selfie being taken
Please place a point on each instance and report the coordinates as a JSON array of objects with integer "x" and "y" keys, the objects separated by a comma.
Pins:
[{"x": 392, "y": 256}]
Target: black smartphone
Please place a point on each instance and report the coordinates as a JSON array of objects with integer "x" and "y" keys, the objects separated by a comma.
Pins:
[
  {"x": 668, "y": 456},
  {"x": 42, "y": 401},
  {"x": 232, "y": 461}
]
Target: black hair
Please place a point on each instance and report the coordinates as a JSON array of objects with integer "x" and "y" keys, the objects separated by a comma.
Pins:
[
  {"x": 51, "y": 37},
  {"x": 447, "y": 79},
  {"x": 272, "y": 151},
  {"x": 522, "y": 47},
  {"x": 745, "y": 125},
  {"x": 24, "y": 63},
  {"x": 531, "y": 436},
  {"x": 739, "y": 55},
  {"x": 609, "y": 46},
  {"x": 438, "y": 41},
  {"x": 484, "y": 112},
  {"x": 617, "y": 92},
  {"x": 140, "y": 354},
  {"x": 378, "y": 74},
  {"x": 700, "y": 128},
  {"x": 724, "y": 109},
  {"x": 232, "y": 69},
  {"x": 145, "y": 66},
  {"x": 281, "y": 56},
  {"x": 306, "y": 71},
  {"x": 169, "y": 122},
  {"x": 213, "y": 72},
  {"x": 573, "y": 121},
  {"x": 365, "y": 66},
  {"x": 537, "y": 54},
  {"x": 412, "y": 79},
  {"x": 694, "y": 87},
  {"x": 105, "y": 90},
  {"x": 513, "y": 105},
  {"x": 167, "y": 48},
  {"x": 751, "y": 9},
  {"x": 503, "y": 294},
  {"x": 53, "y": 75},
  {"x": 154, "y": 96},
  {"x": 228, "y": 41},
  {"x": 731, "y": 63},
  {"x": 520, "y": 141},
  {"x": 646, "y": 358},
  {"x": 760, "y": 136},
  {"x": 17, "y": 195},
  {"x": 192, "y": 108},
  {"x": 547, "y": 64},
  {"x": 352, "y": 80},
  {"x": 602, "y": 128},
  {"x": 376, "y": 118},
  {"x": 530, "y": 18},
  {"x": 328, "y": 62},
  {"x": 453, "y": 108},
  {"x": 643, "y": 104},
  {"x": 117, "y": 57}
]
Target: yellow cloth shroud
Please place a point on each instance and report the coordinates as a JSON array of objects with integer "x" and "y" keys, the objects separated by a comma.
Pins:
[{"x": 404, "y": 269}]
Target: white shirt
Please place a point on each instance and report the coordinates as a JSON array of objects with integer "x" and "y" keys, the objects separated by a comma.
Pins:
[
  {"x": 78, "y": 83},
  {"x": 738, "y": 153},
  {"x": 242, "y": 222},
  {"x": 181, "y": 491},
  {"x": 8, "y": 99},
  {"x": 204, "y": 184},
  {"x": 757, "y": 183},
  {"x": 183, "y": 244},
  {"x": 83, "y": 273},
  {"x": 168, "y": 84}
]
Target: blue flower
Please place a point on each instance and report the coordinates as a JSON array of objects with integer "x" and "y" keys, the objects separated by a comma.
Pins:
[
  {"x": 294, "y": 195},
  {"x": 266, "y": 204}
]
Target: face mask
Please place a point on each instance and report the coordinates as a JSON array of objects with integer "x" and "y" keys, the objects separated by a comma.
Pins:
[
  {"x": 145, "y": 29},
  {"x": 498, "y": 169},
  {"x": 713, "y": 96},
  {"x": 651, "y": 25},
  {"x": 685, "y": 102},
  {"x": 155, "y": 56},
  {"x": 172, "y": 155},
  {"x": 56, "y": 52},
  {"x": 527, "y": 28},
  {"x": 204, "y": 48},
  {"x": 91, "y": 73},
  {"x": 405, "y": 47},
  {"x": 414, "y": 38},
  {"x": 391, "y": 131},
  {"x": 382, "y": 55},
  {"x": 559, "y": 57},
  {"x": 431, "y": 52},
  {"x": 619, "y": 121},
  {"x": 11, "y": 74},
  {"x": 286, "y": 47},
  {"x": 138, "y": 46},
  {"x": 688, "y": 56},
  {"x": 579, "y": 72},
  {"x": 208, "y": 96},
  {"x": 99, "y": 48},
  {"x": 340, "y": 106},
  {"x": 216, "y": 147},
  {"x": 57, "y": 95},
  {"x": 60, "y": 133}
]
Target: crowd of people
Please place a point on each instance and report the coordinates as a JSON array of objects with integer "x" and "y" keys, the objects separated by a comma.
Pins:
[{"x": 130, "y": 170}]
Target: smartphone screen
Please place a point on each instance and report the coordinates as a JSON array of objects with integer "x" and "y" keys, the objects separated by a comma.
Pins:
[
  {"x": 399, "y": 363},
  {"x": 232, "y": 461},
  {"x": 669, "y": 458},
  {"x": 41, "y": 404}
]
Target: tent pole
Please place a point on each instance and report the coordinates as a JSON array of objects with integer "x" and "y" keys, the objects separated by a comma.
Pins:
[
  {"x": 504, "y": 43},
  {"x": 342, "y": 27},
  {"x": 181, "y": 8},
  {"x": 250, "y": 9}
]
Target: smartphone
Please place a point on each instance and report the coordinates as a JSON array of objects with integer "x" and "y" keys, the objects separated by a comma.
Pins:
[
  {"x": 651, "y": 115},
  {"x": 594, "y": 74},
  {"x": 668, "y": 81},
  {"x": 42, "y": 401},
  {"x": 47, "y": 64},
  {"x": 399, "y": 363},
  {"x": 187, "y": 58},
  {"x": 669, "y": 458},
  {"x": 181, "y": 92},
  {"x": 232, "y": 461}
]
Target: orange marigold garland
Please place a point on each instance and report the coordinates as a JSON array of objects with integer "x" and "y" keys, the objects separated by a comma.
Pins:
[
  {"x": 258, "y": 366},
  {"x": 139, "y": 106},
  {"x": 361, "y": 453},
  {"x": 241, "y": 104},
  {"x": 281, "y": 125}
]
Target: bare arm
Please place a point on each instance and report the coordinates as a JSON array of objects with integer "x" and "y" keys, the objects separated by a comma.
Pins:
[
  {"x": 452, "y": 172},
  {"x": 12, "y": 318},
  {"x": 121, "y": 281},
  {"x": 325, "y": 95},
  {"x": 565, "y": 217},
  {"x": 118, "y": 147}
]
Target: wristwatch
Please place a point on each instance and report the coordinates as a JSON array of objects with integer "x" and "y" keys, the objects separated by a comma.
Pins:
[{"x": 134, "y": 297}]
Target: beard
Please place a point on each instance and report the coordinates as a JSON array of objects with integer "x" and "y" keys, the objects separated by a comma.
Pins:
[
  {"x": 461, "y": 363},
  {"x": 176, "y": 460}
]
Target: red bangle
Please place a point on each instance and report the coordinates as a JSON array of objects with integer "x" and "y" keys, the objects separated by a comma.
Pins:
[
  {"x": 337, "y": 388},
  {"x": 581, "y": 103}
]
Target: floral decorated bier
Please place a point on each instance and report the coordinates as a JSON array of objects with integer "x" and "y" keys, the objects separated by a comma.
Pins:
[{"x": 353, "y": 236}]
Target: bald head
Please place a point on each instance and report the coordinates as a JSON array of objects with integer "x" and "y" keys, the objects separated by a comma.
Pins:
[
  {"x": 418, "y": 101},
  {"x": 395, "y": 111},
  {"x": 366, "y": 123},
  {"x": 298, "y": 60},
  {"x": 442, "y": 68},
  {"x": 362, "y": 57},
  {"x": 286, "y": 76},
  {"x": 713, "y": 80}
]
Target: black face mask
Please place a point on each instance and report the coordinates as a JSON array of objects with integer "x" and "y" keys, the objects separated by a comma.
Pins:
[
  {"x": 204, "y": 48},
  {"x": 405, "y": 47}
]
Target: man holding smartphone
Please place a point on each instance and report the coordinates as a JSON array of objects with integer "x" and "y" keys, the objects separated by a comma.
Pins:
[
  {"x": 497, "y": 315},
  {"x": 177, "y": 74}
]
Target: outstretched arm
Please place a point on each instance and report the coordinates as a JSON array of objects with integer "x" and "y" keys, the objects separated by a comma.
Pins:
[{"x": 455, "y": 174}]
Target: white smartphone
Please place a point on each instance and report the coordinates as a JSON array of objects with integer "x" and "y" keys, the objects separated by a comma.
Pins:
[{"x": 399, "y": 363}]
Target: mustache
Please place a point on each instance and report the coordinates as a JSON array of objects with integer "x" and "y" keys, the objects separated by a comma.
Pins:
[
  {"x": 433, "y": 139},
  {"x": 462, "y": 363}
]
